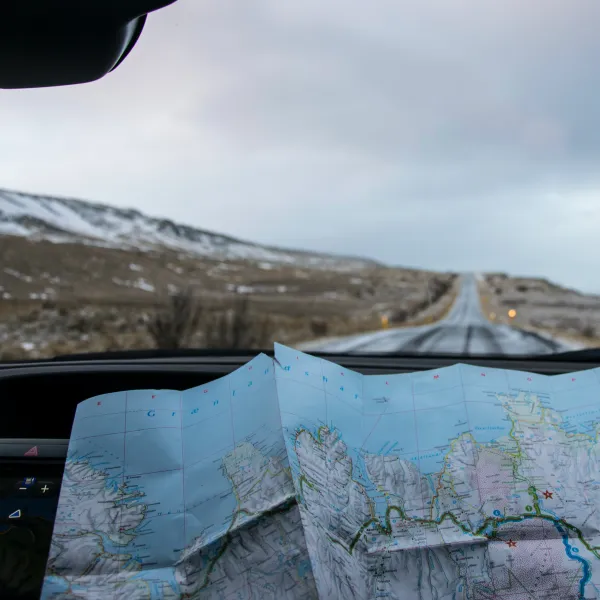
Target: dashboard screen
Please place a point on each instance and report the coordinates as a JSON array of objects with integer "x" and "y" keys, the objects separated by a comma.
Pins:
[{"x": 29, "y": 492}]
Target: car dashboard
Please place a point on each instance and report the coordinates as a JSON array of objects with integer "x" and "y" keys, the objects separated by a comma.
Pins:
[{"x": 39, "y": 401}]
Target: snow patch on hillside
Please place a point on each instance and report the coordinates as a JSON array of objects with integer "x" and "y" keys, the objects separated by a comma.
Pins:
[{"x": 63, "y": 220}]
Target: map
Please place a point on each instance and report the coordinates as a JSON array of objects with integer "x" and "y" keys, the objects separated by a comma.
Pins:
[
  {"x": 180, "y": 494},
  {"x": 295, "y": 478}
]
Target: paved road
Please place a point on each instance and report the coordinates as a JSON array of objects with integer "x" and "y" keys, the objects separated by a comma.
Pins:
[{"x": 464, "y": 331}]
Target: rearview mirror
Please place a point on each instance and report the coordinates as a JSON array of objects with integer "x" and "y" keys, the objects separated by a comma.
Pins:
[{"x": 47, "y": 43}]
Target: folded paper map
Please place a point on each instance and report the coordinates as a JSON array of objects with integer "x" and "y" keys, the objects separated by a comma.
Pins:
[{"x": 296, "y": 478}]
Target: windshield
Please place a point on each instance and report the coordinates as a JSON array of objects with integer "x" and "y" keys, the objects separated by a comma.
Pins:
[{"x": 402, "y": 177}]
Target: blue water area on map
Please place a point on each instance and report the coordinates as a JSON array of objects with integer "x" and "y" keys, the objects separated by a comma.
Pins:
[
  {"x": 359, "y": 473},
  {"x": 164, "y": 538},
  {"x": 387, "y": 393},
  {"x": 428, "y": 461},
  {"x": 378, "y": 430},
  {"x": 484, "y": 379},
  {"x": 297, "y": 366},
  {"x": 488, "y": 422},
  {"x": 101, "y": 405},
  {"x": 254, "y": 373},
  {"x": 145, "y": 400},
  {"x": 163, "y": 491},
  {"x": 301, "y": 404},
  {"x": 573, "y": 554},
  {"x": 580, "y": 410},
  {"x": 579, "y": 423},
  {"x": 576, "y": 403},
  {"x": 439, "y": 400},
  {"x": 209, "y": 499},
  {"x": 217, "y": 416},
  {"x": 205, "y": 402},
  {"x": 343, "y": 383},
  {"x": 437, "y": 428},
  {"x": 54, "y": 587},
  {"x": 104, "y": 453},
  {"x": 151, "y": 418},
  {"x": 575, "y": 382},
  {"x": 96, "y": 425},
  {"x": 346, "y": 420},
  {"x": 256, "y": 410},
  {"x": 483, "y": 395},
  {"x": 211, "y": 437},
  {"x": 529, "y": 382},
  {"x": 436, "y": 381},
  {"x": 156, "y": 579},
  {"x": 167, "y": 454}
]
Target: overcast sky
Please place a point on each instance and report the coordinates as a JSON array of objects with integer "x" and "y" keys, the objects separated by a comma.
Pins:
[{"x": 455, "y": 135}]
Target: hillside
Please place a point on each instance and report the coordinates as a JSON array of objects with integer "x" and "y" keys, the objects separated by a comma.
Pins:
[
  {"x": 79, "y": 277},
  {"x": 66, "y": 220}
]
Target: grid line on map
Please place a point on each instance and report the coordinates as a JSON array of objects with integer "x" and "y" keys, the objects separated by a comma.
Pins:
[
  {"x": 544, "y": 542},
  {"x": 182, "y": 471},
  {"x": 414, "y": 411},
  {"x": 472, "y": 438},
  {"x": 231, "y": 414},
  {"x": 324, "y": 389},
  {"x": 117, "y": 412},
  {"x": 154, "y": 472},
  {"x": 123, "y": 473}
]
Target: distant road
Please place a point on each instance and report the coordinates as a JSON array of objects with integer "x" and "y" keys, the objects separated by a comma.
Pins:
[{"x": 465, "y": 330}]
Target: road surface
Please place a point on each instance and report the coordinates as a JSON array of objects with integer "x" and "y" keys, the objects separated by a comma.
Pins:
[{"x": 465, "y": 330}]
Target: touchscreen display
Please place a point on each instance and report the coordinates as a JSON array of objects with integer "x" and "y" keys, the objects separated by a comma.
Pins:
[{"x": 28, "y": 501}]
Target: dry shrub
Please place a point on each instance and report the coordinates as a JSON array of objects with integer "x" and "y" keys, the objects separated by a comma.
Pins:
[
  {"x": 319, "y": 327},
  {"x": 173, "y": 326},
  {"x": 184, "y": 316},
  {"x": 589, "y": 331},
  {"x": 238, "y": 327}
]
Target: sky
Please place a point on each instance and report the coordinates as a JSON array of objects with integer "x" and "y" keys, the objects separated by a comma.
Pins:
[{"x": 452, "y": 135}]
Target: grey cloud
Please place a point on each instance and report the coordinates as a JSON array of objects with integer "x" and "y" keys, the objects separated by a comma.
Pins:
[{"x": 457, "y": 135}]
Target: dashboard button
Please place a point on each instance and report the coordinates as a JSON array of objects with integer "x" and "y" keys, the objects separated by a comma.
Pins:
[
  {"x": 45, "y": 489},
  {"x": 25, "y": 486},
  {"x": 31, "y": 449}
]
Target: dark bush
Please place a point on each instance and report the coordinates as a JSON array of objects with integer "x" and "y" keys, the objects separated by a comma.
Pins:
[
  {"x": 239, "y": 328},
  {"x": 174, "y": 325},
  {"x": 319, "y": 327},
  {"x": 398, "y": 316},
  {"x": 589, "y": 331}
]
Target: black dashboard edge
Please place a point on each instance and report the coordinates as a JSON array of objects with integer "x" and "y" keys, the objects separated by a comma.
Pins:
[{"x": 223, "y": 364}]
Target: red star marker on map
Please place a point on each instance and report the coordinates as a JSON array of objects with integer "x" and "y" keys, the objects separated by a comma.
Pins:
[
  {"x": 436, "y": 376},
  {"x": 483, "y": 374},
  {"x": 99, "y": 403},
  {"x": 547, "y": 494},
  {"x": 511, "y": 544}
]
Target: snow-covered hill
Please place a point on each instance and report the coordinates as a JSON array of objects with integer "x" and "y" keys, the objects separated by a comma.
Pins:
[{"x": 63, "y": 220}]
